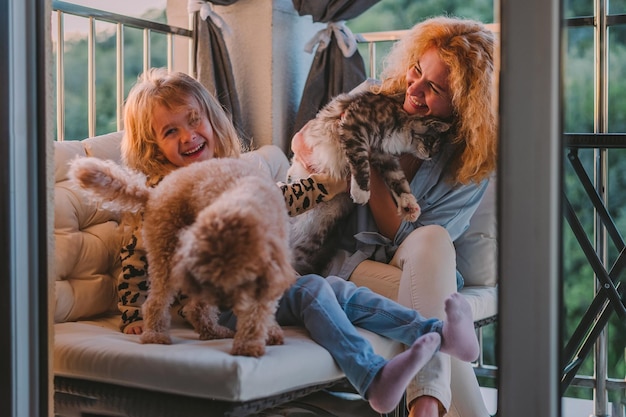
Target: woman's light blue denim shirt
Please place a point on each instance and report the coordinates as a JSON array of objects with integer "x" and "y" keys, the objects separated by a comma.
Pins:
[{"x": 443, "y": 203}]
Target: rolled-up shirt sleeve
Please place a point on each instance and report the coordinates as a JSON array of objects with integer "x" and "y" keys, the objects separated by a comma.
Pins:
[{"x": 449, "y": 207}]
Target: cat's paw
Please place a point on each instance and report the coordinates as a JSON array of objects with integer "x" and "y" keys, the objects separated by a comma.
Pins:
[
  {"x": 408, "y": 208},
  {"x": 358, "y": 195}
]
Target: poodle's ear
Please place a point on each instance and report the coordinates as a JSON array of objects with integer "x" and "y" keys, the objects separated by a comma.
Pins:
[{"x": 115, "y": 187}]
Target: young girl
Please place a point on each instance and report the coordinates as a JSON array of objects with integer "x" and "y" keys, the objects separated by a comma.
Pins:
[{"x": 172, "y": 121}]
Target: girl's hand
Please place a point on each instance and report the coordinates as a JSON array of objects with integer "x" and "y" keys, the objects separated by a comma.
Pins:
[
  {"x": 135, "y": 327},
  {"x": 332, "y": 185}
]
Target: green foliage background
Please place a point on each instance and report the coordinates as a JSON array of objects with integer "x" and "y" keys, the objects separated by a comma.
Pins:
[
  {"x": 578, "y": 104},
  {"x": 578, "y": 95}
]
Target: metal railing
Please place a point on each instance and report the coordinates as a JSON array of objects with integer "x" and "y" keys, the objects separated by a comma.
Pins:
[{"x": 92, "y": 16}]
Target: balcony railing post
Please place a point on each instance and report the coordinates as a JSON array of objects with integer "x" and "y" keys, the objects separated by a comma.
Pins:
[
  {"x": 60, "y": 81},
  {"x": 119, "y": 74},
  {"x": 91, "y": 76}
]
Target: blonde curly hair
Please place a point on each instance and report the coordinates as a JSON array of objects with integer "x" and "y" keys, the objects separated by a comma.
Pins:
[
  {"x": 158, "y": 87},
  {"x": 467, "y": 47}
]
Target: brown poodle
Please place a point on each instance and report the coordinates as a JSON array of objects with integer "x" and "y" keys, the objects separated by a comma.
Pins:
[{"x": 214, "y": 230}]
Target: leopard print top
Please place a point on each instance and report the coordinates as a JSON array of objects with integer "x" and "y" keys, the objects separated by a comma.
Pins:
[
  {"x": 132, "y": 284},
  {"x": 300, "y": 196}
]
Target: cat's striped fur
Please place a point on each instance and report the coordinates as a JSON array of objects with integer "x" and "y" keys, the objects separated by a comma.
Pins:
[{"x": 349, "y": 136}]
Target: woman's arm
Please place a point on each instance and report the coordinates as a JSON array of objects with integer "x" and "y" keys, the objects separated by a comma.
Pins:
[
  {"x": 382, "y": 205},
  {"x": 445, "y": 204}
]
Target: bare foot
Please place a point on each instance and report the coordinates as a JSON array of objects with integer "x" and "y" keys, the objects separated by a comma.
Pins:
[
  {"x": 458, "y": 337},
  {"x": 391, "y": 381}
]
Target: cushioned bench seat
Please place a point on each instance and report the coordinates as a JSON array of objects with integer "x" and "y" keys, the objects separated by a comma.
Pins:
[
  {"x": 96, "y": 350},
  {"x": 97, "y": 367}
]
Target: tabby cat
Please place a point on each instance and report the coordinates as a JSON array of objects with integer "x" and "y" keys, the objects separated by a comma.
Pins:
[{"x": 349, "y": 135}]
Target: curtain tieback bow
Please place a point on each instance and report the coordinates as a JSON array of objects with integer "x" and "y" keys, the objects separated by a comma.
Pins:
[
  {"x": 345, "y": 38},
  {"x": 206, "y": 11}
]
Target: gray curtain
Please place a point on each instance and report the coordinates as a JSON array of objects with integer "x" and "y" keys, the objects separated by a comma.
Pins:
[
  {"x": 214, "y": 69},
  {"x": 337, "y": 66}
]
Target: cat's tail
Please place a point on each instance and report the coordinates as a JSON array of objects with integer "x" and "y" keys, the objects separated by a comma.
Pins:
[{"x": 117, "y": 188}]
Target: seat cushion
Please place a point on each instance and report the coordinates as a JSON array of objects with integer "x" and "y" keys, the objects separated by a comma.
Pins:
[
  {"x": 87, "y": 240},
  {"x": 477, "y": 247},
  {"x": 97, "y": 351},
  {"x": 483, "y": 300}
]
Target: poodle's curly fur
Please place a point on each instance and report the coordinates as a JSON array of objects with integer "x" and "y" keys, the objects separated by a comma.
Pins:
[{"x": 217, "y": 231}]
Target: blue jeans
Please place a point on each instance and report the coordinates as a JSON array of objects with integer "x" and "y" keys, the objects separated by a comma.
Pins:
[{"x": 330, "y": 308}]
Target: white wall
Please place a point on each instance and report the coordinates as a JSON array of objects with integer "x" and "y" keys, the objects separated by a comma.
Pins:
[
  {"x": 269, "y": 63},
  {"x": 266, "y": 47},
  {"x": 177, "y": 15}
]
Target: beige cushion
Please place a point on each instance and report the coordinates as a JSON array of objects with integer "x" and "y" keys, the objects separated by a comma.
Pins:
[
  {"x": 477, "y": 248},
  {"x": 87, "y": 242},
  {"x": 483, "y": 300}
]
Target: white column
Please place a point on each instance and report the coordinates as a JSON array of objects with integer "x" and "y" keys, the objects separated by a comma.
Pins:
[
  {"x": 530, "y": 211},
  {"x": 266, "y": 47}
]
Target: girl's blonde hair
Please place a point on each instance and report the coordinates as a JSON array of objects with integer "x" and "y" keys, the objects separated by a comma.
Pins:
[
  {"x": 467, "y": 48},
  {"x": 158, "y": 87}
]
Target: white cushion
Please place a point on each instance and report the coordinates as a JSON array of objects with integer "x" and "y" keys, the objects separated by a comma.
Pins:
[
  {"x": 87, "y": 242},
  {"x": 477, "y": 247},
  {"x": 87, "y": 248},
  {"x": 483, "y": 300},
  {"x": 98, "y": 351}
]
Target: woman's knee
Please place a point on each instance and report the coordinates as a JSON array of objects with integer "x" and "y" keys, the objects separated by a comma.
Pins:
[
  {"x": 427, "y": 242},
  {"x": 431, "y": 234},
  {"x": 428, "y": 262}
]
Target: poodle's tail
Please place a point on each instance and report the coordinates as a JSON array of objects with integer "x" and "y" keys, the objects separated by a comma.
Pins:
[{"x": 117, "y": 188}]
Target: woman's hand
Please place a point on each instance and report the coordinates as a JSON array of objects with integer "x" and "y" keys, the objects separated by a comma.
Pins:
[{"x": 301, "y": 151}]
